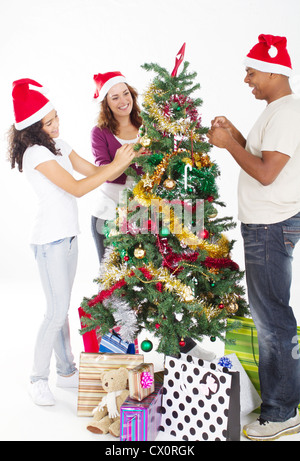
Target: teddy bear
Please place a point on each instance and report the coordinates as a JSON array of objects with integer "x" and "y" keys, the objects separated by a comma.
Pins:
[{"x": 107, "y": 414}]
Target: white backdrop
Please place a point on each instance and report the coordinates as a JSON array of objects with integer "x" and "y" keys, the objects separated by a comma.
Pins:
[{"x": 63, "y": 43}]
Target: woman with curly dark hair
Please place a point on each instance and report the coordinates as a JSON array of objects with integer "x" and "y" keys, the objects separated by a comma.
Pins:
[
  {"x": 48, "y": 163},
  {"x": 118, "y": 123}
]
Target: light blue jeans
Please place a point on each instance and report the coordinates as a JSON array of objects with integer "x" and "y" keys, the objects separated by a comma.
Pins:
[
  {"x": 268, "y": 259},
  {"x": 57, "y": 263}
]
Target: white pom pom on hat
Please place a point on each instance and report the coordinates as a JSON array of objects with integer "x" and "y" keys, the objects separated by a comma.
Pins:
[
  {"x": 270, "y": 55},
  {"x": 273, "y": 51}
]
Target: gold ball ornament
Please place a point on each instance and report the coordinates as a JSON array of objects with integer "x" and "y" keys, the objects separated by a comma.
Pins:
[
  {"x": 169, "y": 184},
  {"x": 145, "y": 141},
  {"x": 139, "y": 252},
  {"x": 232, "y": 308}
]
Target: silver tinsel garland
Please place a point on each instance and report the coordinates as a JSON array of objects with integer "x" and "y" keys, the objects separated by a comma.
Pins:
[{"x": 124, "y": 316}]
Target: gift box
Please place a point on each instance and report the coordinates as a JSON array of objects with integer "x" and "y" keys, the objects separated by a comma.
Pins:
[
  {"x": 90, "y": 390},
  {"x": 112, "y": 342},
  {"x": 140, "y": 421},
  {"x": 201, "y": 400},
  {"x": 141, "y": 381},
  {"x": 244, "y": 343}
]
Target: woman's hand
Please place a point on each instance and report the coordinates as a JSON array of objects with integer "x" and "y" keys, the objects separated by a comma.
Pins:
[
  {"x": 124, "y": 156},
  {"x": 141, "y": 151}
]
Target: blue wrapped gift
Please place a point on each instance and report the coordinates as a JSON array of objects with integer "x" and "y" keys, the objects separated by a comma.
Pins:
[{"x": 112, "y": 342}]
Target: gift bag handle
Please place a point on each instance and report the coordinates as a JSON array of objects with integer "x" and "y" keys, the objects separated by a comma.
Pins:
[
  {"x": 252, "y": 345},
  {"x": 116, "y": 334},
  {"x": 209, "y": 383}
]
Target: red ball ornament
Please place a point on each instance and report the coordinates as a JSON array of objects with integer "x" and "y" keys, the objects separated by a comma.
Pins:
[
  {"x": 126, "y": 258},
  {"x": 182, "y": 343},
  {"x": 210, "y": 198},
  {"x": 204, "y": 234},
  {"x": 221, "y": 306},
  {"x": 157, "y": 326}
]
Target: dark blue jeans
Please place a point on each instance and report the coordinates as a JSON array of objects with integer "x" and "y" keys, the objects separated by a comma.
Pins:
[
  {"x": 268, "y": 261},
  {"x": 98, "y": 236}
]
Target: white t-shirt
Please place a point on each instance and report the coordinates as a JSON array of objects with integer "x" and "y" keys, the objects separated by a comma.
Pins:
[
  {"x": 57, "y": 213},
  {"x": 277, "y": 129},
  {"x": 109, "y": 195}
]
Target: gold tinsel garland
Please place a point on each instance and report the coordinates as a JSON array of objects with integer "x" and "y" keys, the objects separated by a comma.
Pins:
[
  {"x": 178, "y": 127},
  {"x": 145, "y": 198},
  {"x": 201, "y": 160},
  {"x": 149, "y": 181}
]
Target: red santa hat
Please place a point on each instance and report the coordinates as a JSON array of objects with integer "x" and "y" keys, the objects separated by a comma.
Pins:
[
  {"x": 104, "y": 82},
  {"x": 270, "y": 55},
  {"x": 30, "y": 105}
]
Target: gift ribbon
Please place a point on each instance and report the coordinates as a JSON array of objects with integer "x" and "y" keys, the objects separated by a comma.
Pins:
[
  {"x": 146, "y": 380},
  {"x": 225, "y": 362}
]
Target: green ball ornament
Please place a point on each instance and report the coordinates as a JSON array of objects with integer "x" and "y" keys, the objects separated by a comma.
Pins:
[
  {"x": 164, "y": 232},
  {"x": 146, "y": 345}
]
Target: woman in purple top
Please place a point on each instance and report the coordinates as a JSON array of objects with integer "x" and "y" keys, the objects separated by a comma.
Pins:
[{"x": 118, "y": 124}]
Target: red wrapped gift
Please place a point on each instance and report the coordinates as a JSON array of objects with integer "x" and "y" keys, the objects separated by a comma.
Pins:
[{"x": 91, "y": 339}]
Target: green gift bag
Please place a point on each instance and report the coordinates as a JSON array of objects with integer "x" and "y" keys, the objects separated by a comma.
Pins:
[{"x": 244, "y": 343}]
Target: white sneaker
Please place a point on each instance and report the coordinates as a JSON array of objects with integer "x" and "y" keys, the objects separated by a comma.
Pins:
[
  {"x": 68, "y": 381},
  {"x": 268, "y": 430},
  {"x": 41, "y": 394}
]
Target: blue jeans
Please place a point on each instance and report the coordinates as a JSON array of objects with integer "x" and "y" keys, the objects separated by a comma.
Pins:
[
  {"x": 57, "y": 262},
  {"x": 268, "y": 260}
]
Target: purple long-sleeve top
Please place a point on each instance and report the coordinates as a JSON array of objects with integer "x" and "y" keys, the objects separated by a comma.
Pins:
[{"x": 104, "y": 147}]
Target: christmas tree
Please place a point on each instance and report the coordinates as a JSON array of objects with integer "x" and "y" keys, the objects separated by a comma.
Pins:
[{"x": 167, "y": 266}]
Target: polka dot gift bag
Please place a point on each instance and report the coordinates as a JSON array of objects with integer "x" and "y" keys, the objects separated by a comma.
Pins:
[{"x": 201, "y": 400}]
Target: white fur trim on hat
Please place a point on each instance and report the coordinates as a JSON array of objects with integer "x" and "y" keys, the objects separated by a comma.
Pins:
[
  {"x": 267, "y": 67},
  {"x": 109, "y": 84},
  {"x": 35, "y": 117}
]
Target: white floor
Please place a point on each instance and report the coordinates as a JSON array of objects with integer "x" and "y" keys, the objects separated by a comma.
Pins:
[{"x": 20, "y": 419}]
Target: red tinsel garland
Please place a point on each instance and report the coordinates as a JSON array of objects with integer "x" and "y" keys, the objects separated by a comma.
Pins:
[
  {"x": 222, "y": 263},
  {"x": 171, "y": 260},
  {"x": 146, "y": 273},
  {"x": 104, "y": 294}
]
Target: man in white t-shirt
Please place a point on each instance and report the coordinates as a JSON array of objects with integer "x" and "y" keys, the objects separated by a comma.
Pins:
[{"x": 269, "y": 210}]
